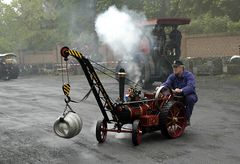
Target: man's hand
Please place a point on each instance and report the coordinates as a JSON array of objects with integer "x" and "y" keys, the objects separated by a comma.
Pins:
[{"x": 177, "y": 90}]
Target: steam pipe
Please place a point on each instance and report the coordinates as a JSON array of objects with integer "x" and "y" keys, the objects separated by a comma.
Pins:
[{"x": 121, "y": 77}]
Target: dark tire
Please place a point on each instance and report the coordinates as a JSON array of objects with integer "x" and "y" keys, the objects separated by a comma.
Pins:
[
  {"x": 173, "y": 119},
  {"x": 101, "y": 131},
  {"x": 6, "y": 77},
  {"x": 136, "y": 133},
  {"x": 15, "y": 73},
  {"x": 15, "y": 76}
]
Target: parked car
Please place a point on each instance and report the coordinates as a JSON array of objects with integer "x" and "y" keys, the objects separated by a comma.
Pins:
[{"x": 8, "y": 66}]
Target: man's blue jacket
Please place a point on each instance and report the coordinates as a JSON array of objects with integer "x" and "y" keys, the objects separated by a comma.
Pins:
[{"x": 186, "y": 82}]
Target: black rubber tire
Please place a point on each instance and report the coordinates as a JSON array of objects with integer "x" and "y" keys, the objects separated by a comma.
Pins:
[
  {"x": 15, "y": 73},
  {"x": 6, "y": 77},
  {"x": 101, "y": 133},
  {"x": 136, "y": 133}
]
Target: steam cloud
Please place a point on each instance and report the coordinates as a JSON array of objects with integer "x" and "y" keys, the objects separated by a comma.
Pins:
[{"x": 120, "y": 30}]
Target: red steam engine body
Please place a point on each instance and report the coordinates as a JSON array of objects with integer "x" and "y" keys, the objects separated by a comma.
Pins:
[{"x": 158, "y": 110}]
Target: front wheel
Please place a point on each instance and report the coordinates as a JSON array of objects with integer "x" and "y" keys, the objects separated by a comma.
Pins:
[
  {"x": 6, "y": 77},
  {"x": 136, "y": 133},
  {"x": 101, "y": 131}
]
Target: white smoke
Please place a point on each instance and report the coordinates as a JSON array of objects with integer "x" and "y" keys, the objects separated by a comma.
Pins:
[{"x": 121, "y": 31}]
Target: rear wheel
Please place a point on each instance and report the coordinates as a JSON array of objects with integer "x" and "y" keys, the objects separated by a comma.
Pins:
[
  {"x": 136, "y": 133},
  {"x": 6, "y": 76},
  {"x": 15, "y": 72},
  {"x": 173, "y": 119},
  {"x": 101, "y": 131}
]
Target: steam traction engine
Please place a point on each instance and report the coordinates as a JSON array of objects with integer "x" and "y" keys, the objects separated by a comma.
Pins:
[
  {"x": 160, "y": 110},
  {"x": 159, "y": 47}
]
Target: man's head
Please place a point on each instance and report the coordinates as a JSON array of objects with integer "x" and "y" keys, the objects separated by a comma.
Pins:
[
  {"x": 178, "y": 67},
  {"x": 174, "y": 27}
]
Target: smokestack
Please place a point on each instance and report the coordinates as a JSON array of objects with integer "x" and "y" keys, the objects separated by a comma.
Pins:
[{"x": 121, "y": 77}]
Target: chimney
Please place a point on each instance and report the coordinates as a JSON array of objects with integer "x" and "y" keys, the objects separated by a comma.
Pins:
[{"x": 121, "y": 77}]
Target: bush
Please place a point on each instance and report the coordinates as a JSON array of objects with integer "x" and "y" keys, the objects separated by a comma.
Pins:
[
  {"x": 234, "y": 27},
  {"x": 208, "y": 24}
]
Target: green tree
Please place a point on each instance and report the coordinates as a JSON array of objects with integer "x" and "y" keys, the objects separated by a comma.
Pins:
[
  {"x": 157, "y": 8},
  {"x": 208, "y": 24},
  {"x": 41, "y": 24},
  {"x": 136, "y": 5}
]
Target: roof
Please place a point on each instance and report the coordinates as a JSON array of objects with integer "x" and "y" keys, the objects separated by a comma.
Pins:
[
  {"x": 8, "y": 54},
  {"x": 149, "y": 22},
  {"x": 167, "y": 21}
]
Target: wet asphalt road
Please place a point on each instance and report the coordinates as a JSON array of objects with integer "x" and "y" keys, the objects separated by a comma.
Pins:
[{"x": 30, "y": 105}]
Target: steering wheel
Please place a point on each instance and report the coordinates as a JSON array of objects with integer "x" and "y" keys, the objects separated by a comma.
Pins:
[
  {"x": 163, "y": 92},
  {"x": 162, "y": 95}
]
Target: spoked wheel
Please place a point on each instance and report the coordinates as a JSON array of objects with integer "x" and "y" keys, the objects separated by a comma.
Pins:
[
  {"x": 101, "y": 131},
  {"x": 136, "y": 133},
  {"x": 173, "y": 120}
]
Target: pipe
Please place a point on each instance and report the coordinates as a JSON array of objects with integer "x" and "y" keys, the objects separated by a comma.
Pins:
[{"x": 121, "y": 76}]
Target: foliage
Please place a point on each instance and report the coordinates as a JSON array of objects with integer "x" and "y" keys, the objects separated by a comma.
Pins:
[
  {"x": 103, "y": 5},
  {"x": 41, "y": 24},
  {"x": 208, "y": 24}
]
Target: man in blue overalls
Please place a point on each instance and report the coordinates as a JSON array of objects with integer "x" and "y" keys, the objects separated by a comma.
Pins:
[{"x": 183, "y": 83}]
